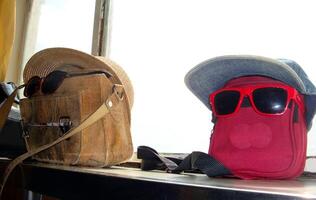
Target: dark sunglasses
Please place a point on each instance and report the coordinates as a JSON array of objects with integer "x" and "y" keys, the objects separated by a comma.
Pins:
[
  {"x": 267, "y": 99},
  {"x": 52, "y": 81}
]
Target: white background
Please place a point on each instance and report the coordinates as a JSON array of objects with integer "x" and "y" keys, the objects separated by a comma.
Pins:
[
  {"x": 64, "y": 23},
  {"x": 157, "y": 42}
]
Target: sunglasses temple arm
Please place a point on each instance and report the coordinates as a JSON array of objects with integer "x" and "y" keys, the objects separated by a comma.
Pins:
[{"x": 106, "y": 73}]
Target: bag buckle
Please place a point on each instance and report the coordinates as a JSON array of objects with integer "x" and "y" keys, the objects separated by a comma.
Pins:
[
  {"x": 25, "y": 132},
  {"x": 64, "y": 124},
  {"x": 118, "y": 91}
]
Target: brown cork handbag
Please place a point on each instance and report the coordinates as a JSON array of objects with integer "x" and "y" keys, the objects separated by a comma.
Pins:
[
  {"x": 85, "y": 121},
  {"x": 46, "y": 117}
]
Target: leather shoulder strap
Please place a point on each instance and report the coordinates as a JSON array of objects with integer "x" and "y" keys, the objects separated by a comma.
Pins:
[
  {"x": 194, "y": 161},
  {"x": 203, "y": 162}
]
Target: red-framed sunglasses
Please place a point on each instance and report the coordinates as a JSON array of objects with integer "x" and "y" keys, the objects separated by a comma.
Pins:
[
  {"x": 52, "y": 81},
  {"x": 266, "y": 99}
]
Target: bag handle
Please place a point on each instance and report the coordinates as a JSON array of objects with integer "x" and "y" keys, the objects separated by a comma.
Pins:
[
  {"x": 6, "y": 106},
  {"x": 115, "y": 98},
  {"x": 194, "y": 161}
]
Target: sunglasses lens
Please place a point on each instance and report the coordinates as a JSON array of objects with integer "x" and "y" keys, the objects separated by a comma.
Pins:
[
  {"x": 32, "y": 86},
  {"x": 270, "y": 100},
  {"x": 226, "y": 102},
  {"x": 52, "y": 81}
]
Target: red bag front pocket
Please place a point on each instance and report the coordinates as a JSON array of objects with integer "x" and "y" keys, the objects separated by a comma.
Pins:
[{"x": 256, "y": 146}]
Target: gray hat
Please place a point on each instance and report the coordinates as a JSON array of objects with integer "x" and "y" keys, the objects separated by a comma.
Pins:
[{"x": 213, "y": 74}]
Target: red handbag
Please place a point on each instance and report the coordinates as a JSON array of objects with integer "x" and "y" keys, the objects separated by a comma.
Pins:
[
  {"x": 254, "y": 144},
  {"x": 259, "y": 133}
]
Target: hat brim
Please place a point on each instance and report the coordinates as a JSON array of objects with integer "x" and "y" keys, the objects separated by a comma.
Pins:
[
  {"x": 46, "y": 61},
  {"x": 213, "y": 74}
]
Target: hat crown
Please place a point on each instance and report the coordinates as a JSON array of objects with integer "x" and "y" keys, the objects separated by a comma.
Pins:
[{"x": 48, "y": 60}]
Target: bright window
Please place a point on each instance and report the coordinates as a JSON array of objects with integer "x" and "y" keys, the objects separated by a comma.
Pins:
[
  {"x": 60, "y": 23},
  {"x": 158, "y": 42}
]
